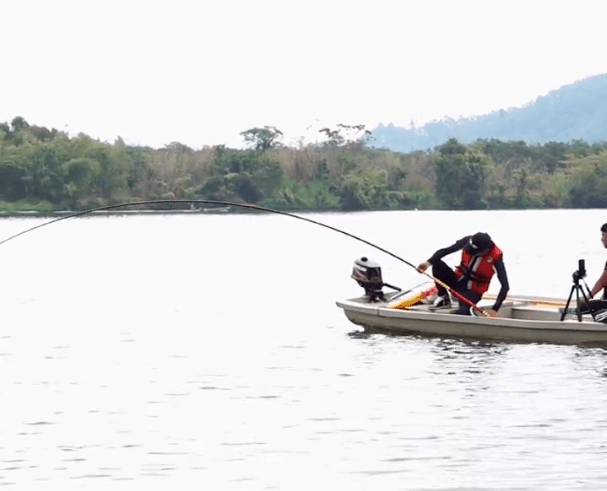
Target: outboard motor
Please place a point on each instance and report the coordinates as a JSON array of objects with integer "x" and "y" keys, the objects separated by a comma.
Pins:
[{"x": 368, "y": 275}]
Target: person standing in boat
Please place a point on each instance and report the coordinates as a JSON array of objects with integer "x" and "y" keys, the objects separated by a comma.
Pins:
[{"x": 480, "y": 260}]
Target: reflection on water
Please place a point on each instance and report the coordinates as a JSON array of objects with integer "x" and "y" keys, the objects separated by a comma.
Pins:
[{"x": 197, "y": 352}]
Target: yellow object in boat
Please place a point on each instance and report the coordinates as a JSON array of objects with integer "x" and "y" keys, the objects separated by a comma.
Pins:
[{"x": 424, "y": 293}]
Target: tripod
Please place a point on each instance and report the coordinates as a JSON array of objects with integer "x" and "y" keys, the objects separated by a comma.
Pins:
[{"x": 577, "y": 288}]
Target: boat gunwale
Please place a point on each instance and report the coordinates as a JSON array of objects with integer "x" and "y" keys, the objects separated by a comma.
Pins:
[{"x": 423, "y": 316}]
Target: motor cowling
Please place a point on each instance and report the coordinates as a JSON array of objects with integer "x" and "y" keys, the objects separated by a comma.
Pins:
[{"x": 368, "y": 275}]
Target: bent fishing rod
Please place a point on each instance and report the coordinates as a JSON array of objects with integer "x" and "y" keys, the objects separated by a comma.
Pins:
[{"x": 456, "y": 294}]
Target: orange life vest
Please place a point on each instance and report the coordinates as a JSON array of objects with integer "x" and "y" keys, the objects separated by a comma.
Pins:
[{"x": 482, "y": 269}]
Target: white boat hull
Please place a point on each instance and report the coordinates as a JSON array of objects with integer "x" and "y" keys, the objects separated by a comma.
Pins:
[{"x": 525, "y": 319}]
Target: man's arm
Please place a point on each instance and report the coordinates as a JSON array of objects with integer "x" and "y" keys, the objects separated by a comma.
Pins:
[
  {"x": 503, "y": 277},
  {"x": 600, "y": 284},
  {"x": 448, "y": 250},
  {"x": 442, "y": 253}
]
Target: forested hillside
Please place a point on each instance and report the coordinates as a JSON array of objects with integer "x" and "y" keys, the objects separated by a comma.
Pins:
[
  {"x": 48, "y": 170},
  {"x": 574, "y": 112}
]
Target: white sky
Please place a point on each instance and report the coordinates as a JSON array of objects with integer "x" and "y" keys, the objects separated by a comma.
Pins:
[{"x": 201, "y": 72}]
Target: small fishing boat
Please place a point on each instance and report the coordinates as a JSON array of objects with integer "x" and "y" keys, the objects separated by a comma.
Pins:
[{"x": 521, "y": 318}]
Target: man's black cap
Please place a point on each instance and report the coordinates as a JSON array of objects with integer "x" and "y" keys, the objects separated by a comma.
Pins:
[{"x": 479, "y": 242}]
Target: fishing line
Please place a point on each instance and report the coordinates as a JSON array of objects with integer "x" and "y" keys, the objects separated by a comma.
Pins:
[{"x": 250, "y": 207}]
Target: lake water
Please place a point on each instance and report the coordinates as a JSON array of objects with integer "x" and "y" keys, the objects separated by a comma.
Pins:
[{"x": 192, "y": 351}]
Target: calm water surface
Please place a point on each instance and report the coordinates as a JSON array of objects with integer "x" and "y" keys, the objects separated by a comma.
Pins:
[{"x": 188, "y": 352}]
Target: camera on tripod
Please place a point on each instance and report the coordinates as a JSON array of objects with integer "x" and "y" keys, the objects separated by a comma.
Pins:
[
  {"x": 581, "y": 297},
  {"x": 581, "y": 271}
]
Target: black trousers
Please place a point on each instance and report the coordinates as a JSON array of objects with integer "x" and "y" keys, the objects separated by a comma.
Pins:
[
  {"x": 593, "y": 306},
  {"x": 442, "y": 272}
]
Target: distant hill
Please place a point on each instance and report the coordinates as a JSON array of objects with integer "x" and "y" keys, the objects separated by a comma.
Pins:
[{"x": 573, "y": 112}]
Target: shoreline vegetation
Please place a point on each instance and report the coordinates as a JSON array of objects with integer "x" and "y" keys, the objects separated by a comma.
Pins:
[{"x": 46, "y": 171}]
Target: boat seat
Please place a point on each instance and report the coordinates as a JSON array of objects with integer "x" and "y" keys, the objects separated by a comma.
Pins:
[{"x": 534, "y": 312}]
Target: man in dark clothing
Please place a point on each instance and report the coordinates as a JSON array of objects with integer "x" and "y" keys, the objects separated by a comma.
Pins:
[
  {"x": 481, "y": 258},
  {"x": 598, "y": 304}
]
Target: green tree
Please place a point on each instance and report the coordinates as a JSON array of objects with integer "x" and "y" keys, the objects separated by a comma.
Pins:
[
  {"x": 19, "y": 124},
  {"x": 588, "y": 182},
  {"x": 368, "y": 189},
  {"x": 140, "y": 176},
  {"x": 346, "y": 135},
  {"x": 553, "y": 155},
  {"x": 262, "y": 139},
  {"x": 12, "y": 180},
  {"x": 112, "y": 181},
  {"x": 46, "y": 173},
  {"x": 460, "y": 176},
  {"x": 80, "y": 174}
]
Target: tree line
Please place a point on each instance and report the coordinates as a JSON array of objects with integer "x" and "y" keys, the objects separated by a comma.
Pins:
[{"x": 47, "y": 170}]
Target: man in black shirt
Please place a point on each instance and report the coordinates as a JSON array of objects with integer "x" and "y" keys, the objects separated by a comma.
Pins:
[
  {"x": 481, "y": 258},
  {"x": 601, "y": 283}
]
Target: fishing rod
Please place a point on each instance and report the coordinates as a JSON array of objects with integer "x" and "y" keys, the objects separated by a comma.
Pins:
[{"x": 250, "y": 207}]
